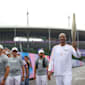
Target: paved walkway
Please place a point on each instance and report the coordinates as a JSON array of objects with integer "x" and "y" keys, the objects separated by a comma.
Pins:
[{"x": 78, "y": 77}]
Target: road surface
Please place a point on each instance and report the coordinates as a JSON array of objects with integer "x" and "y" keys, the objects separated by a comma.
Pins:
[{"x": 78, "y": 77}]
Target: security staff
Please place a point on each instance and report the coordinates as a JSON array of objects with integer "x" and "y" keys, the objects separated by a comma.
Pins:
[
  {"x": 41, "y": 66},
  {"x": 4, "y": 67},
  {"x": 16, "y": 64}
]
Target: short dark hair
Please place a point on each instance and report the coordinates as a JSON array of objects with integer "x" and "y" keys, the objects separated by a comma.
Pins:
[{"x": 26, "y": 57}]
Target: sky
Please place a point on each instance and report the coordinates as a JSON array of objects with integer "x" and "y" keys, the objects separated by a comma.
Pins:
[{"x": 42, "y": 13}]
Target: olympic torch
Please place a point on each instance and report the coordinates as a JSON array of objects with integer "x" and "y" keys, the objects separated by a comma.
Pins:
[{"x": 73, "y": 29}]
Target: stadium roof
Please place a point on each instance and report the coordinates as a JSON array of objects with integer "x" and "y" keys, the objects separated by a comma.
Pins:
[
  {"x": 28, "y": 27},
  {"x": 7, "y": 34},
  {"x": 36, "y": 32}
]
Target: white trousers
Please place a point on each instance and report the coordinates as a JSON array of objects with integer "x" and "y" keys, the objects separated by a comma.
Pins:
[
  {"x": 13, "y": 80},
  {"x": 41, "y": 80},
  {"x": 64, "y": 80}
]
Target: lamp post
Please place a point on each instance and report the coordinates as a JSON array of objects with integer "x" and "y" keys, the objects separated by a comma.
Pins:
[
  {"x": 28, "y": 32},
  {"x": 15, "y": 34},
  {"x": 27, "y": 17}
]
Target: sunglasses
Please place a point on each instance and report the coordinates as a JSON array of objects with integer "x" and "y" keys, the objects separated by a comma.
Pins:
[
  {"x": 41, "y": 53},
  {"x": 14, "y": 51}
]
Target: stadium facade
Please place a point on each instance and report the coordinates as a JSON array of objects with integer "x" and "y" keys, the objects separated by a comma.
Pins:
[{"x": 7, "y": 35}]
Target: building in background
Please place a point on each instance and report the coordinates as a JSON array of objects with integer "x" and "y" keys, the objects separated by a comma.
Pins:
[{"x": 32, "y": 38}]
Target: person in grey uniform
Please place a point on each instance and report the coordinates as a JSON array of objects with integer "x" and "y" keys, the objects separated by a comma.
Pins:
[
  {"x": 4, "y": 68},
  {"x": 16, "y": 65},
  {"x": 41, "y": 66}
]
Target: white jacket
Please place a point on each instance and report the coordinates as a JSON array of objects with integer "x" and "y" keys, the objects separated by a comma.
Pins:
[{"x": 61, "y": 59}]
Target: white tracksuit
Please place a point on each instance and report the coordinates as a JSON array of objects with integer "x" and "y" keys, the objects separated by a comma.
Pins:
[{"x": 61, "y": 62}]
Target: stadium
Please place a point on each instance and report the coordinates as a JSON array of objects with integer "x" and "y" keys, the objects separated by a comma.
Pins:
[{"x": 48, "y": 36}]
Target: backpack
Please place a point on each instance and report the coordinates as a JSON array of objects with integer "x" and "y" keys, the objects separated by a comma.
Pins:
[{"x": 44, "y": 63}]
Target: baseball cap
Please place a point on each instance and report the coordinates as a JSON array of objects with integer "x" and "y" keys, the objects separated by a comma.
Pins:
[
  {"x": 1, "y": 46},
  {"x": 14, "y": 49},
  {"x": 40, "y": 51}
]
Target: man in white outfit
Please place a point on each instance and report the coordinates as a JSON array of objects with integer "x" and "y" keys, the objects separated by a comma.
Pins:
[{"x": 61, "y": 61}]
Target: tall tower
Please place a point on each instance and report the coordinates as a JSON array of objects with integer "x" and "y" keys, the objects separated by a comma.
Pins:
[{"x": 27, "y": 17}]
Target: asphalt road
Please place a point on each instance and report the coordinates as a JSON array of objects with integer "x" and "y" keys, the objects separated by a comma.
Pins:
[{"x": 78, "y": 77}]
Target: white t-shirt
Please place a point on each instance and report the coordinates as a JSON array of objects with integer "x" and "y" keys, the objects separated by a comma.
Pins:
[{"x": 61, "y": 59}]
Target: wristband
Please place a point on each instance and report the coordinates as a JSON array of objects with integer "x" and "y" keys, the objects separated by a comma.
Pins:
[{"x": 4, "y": 79}]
